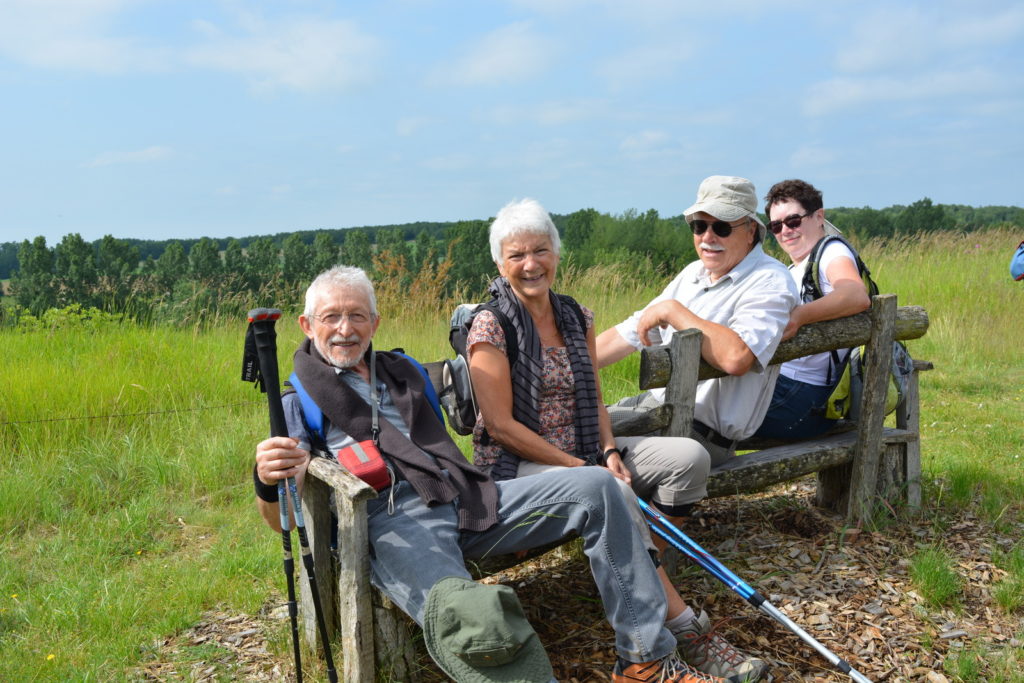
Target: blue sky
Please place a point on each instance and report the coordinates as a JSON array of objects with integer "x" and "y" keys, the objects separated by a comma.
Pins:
[{"x": 180, "y": 118}]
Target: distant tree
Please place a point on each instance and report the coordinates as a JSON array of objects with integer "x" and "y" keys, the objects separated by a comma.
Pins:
[
  {"x": 75, "y": 268},
  {"x": 671, "y": 248},
  {"x": 325, "y": 253},
  {"x": 234, "y": 258},
  {"x": 922, "y": 216},
  {"x": 472, "y": 267},
  {"x": 297, "y": 257},
  {"x": 33, "y": 283},
  {"x": 171, "y": 267},
  {"x": 865, "y": 222},
  {"x": 423, "y": 246},
  {"x": 117, "y": 265},
  {"x": 356, "y": 250},
  {"x": 262, "y": 262},
  {"x": 116, "y": 258},
  {"x": 8, "y": 259},
  {"x": 579, "y": 225},
  {"x": 393, "y": 240},
  {"x": 204, "y": 260}
]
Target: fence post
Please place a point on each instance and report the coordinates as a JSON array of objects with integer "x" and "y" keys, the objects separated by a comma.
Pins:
[
  {"x": 877, "y": 359},
  {"x": 681, "y": 390}
]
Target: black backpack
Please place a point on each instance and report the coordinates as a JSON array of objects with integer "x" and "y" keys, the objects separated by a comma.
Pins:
[
  {"x": 458, "y": 400},
  {"x": 846, "y": 376}
]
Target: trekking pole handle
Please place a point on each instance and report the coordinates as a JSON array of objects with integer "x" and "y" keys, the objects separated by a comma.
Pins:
[{"x": 262, "y": 320}]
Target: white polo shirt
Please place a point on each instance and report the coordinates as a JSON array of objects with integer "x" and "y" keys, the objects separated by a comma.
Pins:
[{"x": 753, "y": 300}]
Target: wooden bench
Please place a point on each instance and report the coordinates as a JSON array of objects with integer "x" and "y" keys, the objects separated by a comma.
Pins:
[{"x": 859, "y": 467}]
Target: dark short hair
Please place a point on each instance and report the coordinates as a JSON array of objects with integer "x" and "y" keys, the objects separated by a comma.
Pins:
[{"x": 800, "y": 191}]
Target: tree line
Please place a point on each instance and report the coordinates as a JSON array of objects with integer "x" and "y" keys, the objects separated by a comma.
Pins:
[{"x": 190, "y": 280}]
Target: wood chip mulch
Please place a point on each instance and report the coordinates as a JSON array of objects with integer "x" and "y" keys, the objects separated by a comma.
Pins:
[{"x": 851, "y": 589}]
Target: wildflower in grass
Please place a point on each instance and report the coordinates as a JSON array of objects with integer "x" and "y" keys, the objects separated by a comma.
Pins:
[{"x": 50, "y": 656}]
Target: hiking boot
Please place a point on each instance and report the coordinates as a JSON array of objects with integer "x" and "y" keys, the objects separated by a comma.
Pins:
[
  {"x": 671, "y": 669},
  {"x": 709, "y": 652}
]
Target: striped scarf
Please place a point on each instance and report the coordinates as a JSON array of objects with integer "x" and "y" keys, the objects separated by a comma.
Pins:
[{"x": 528, "y": 370}]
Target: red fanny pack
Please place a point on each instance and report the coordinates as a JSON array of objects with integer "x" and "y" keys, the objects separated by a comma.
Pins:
[{"x": 364, "y": 460}]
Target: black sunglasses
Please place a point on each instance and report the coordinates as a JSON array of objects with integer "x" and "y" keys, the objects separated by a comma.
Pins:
[
  {"x": 791, "y": 221},
  {"x": 721, "y": 228}
]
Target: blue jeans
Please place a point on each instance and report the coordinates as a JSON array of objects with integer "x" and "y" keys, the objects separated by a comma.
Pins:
[
  {"x": 414, "y": 547},
  {"x": 796, "y": 411}
]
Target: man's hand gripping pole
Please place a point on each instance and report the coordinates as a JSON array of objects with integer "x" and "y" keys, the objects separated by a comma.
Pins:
[{"x": 260, "y": 365}]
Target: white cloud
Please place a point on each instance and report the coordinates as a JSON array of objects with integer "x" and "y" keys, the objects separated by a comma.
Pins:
[
  {"x": 901, "y": 37},
  {"x": 649, "y": 63},
  {"x": 409, "y": 125},
  {"x": 73, "y": 34},
  {"x": 300, "y": 54},
  {"x": 448, "y": 162},
  {"x": 812, "y": 156},
  {"x": 844, "y": 92},
  {"x": 646, "y": 143},
  {"x": 139, "y": 156},
  {"x": 549, "y": 113},
  {"x": 510, "y": 54}
]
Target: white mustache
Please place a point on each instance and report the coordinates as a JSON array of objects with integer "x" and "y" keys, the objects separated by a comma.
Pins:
[
  {"x": 342, "y": 339},
  {"x": 712, "y": 247}
]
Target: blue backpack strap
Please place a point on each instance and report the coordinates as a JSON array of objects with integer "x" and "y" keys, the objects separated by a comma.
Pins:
[
  {"x": 311, "y": 413},
  {"x": 428, "y": 390}
]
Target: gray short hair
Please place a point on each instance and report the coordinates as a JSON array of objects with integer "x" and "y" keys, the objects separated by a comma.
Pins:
[
  {"x": 340, "y": 276},
  {"x": 525, "y": 216}
]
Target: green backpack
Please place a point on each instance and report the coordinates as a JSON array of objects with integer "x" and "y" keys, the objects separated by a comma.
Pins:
[{"x": 844, "y": 401}]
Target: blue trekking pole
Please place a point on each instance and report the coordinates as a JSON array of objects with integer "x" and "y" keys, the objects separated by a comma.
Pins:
[
  {"x": 260, "y": 365},
  {"x": 705, "y": 560}
]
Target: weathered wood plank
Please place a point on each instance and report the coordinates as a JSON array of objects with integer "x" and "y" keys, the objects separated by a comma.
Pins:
[
  {"x": 316, "y": 511},
  {"x": 681, "y": 393},
  {"x": 911, "y": 323},
  {"x": 640, "y": 423},
  {"x": 877, "y": 360},
  {"x": 754, "y": 471},
  {"x": 908, "y": 416},
  {"x": 354, "y": 599}
]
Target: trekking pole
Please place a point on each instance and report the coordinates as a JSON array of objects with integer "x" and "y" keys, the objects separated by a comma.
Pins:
[
  {"x": 691, "y": 549},
  {"x": 260, "y": 365}
]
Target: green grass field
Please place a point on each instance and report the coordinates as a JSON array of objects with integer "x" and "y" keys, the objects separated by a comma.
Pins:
[{"x": 125, "y": 452}]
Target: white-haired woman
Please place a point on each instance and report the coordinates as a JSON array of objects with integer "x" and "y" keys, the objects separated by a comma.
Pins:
[{"x": 544, "y": 409}]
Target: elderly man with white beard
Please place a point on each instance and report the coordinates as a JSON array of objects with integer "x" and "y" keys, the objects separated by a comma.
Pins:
[{"x": 738, "y": 297}]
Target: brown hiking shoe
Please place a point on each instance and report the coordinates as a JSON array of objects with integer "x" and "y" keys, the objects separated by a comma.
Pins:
[
  {"x": 671, "y": 669},
  {"x": 709, "y": 652}
]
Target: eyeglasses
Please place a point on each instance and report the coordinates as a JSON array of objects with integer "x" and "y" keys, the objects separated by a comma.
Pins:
[
  {"x": 721, "y": 228},
  {"x": 335, "y": 319},
  {"x": 791, "y": 221}
]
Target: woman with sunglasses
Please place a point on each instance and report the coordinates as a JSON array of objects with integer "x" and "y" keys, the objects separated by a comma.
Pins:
[
  {"x": 797, "y": 219},
  {"x": 541, "y": 409}
]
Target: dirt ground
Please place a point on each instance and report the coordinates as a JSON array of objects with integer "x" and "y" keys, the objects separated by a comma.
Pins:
[{"x": 849, "y": 588}]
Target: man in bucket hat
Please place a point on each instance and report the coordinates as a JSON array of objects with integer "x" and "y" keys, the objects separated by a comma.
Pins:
[
  {"x": 439, "y": 510},
  {"x": 740, "y": 299}
]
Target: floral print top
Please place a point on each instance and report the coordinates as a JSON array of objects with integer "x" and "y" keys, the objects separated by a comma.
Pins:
[{"x": 557, "y": 392}]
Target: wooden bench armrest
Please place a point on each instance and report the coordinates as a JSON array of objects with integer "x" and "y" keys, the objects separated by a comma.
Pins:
[{"x": 843, "y": 333}]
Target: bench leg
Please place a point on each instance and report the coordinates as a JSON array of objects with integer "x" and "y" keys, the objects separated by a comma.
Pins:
[
  {"x": 396, "y": 655},
  {"x": 908, "y": 416},
  {"x": 355, "y": 607},
  {"x": 834, "y": 488},
  {"x": 316, "y": 510}
]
